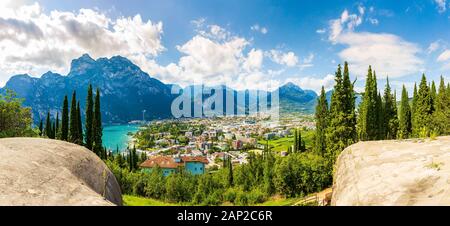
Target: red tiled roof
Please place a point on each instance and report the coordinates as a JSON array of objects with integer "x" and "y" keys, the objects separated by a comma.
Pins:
[
  {"x": 195, "y": 159},
  {"x": 162, "y": 162},
  {"x": 169, "y": 162}
]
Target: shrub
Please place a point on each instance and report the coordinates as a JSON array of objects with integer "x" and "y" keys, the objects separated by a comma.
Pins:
[
  {"x": 230, "y": 195},
  {"x": 256, "y": 196},
  {"x": 241, "y": 199}
]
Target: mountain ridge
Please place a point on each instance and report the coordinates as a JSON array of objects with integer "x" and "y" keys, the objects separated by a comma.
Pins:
[{"x": 122, "y": 83}]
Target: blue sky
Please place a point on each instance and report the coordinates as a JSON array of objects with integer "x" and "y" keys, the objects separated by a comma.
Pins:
[{"x": 244, "y": 44}]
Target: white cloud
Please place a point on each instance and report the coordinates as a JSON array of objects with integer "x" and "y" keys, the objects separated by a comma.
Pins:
[
  {"x": 441, "y": 5},
  {"x": 373, "y": 21},
  {"x": 434, "y": 46},
  {"x": 264, "y": 30},
  {"x": 314, "y": 83},
  {"x": 210, "y": 60},
  {"x": 289, "y": 59},
  {"x": 254, "y": 60},
  {"x": 387, "y": 53},
  {"x": 198, "y": 23},
  {"x": 258, "y": 28},
  {"x": 309, "y": 59},
  {"x": 321, "y": 31},
  {"x": 345, "y": 22},
  {"x": 444, "y": 58},
  {"x": 33, "y": 41}
]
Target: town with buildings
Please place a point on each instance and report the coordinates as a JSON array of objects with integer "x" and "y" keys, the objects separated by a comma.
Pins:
[{"x": 197, "y": 144}]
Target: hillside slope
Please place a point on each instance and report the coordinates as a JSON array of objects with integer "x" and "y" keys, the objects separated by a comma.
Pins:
[
  {"x": 408, "y": 172},
  {"x": 35, "y": 171}
]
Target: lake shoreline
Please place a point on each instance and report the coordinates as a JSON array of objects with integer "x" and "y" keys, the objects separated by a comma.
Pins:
[{"x": 116, "y": 136}]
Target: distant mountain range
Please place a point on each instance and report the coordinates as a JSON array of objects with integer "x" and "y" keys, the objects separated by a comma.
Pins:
[{"x": 126, "y": 91}]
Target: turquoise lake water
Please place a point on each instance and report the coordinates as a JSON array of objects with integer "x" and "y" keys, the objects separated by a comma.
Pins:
[{"x": 116, "y": 135}]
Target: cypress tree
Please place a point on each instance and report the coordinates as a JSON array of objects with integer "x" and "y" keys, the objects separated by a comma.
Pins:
[
  {"x": 423, "y": 109},
  {"x": 369, "y": 109},
  {"x": 405, "y": 116},
  {"x": 97, "y": 124},
  {"x": 380, "y": 130},
  {"x": 301, "y": 143},
  {"x": 433, "y": 94},
  {"x": 441, "y": 115},
  {"x": 65, "y": 120},
  {"x": 135, "y": 157},
  {"x": 79, "y": 126},
  {"x": 48, "y": 126},
  {"x": 295, "y": 140},
  {"x": 341, "y": 126},
  {"x": 41, "y": 128},
  {"x": 73, "y": 124},
  {"x": 321, "y": 117},
  {"x": 413, "y": 107},
  {"x": 390, "y": 113},
  {"x": 89, "y": 119},
  {"x": 349, "y": 107},
  {"x": 334, "y": 142}
]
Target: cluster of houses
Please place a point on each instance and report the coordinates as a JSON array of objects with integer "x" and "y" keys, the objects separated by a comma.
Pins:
[{"x": 227, "y": 137}]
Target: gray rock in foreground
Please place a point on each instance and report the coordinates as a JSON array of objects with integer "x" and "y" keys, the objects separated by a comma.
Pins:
[
  {"x": 407, "y": 172},
  {"x": 35, "y": 171}
]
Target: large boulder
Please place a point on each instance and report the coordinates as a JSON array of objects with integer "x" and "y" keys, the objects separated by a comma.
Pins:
[
  {"x": 406, "y": 172},
  {"x": 35, "y": 171}
]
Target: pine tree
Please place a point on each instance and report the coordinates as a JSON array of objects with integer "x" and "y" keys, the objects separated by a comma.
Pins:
[
  {"x": 73, "y": 123},
  {"x": 414, "y": 103},
  {"x": 423, "y": 110},
  {"x": 334, "y": 142},
  {"x": 89, "y": 119},
  {"x": 441, "y": 115},
  {"x": 380, "y": 130},
  {"x": 301, "y": 143},
  {"x": 405, "y": 116},
  {"x": 340, "y": 130},
  {"x": 321, "y": 117},
  {"x": 433, "y": 94},
  {"x": 97, "y": 125},
  {"x": 65, "y": 120},
  {"x": 48, "y": 126},
  {"x": 79, "y": 126},
  {"x": 368, "y": 110},
  {"x": 349, "y": 106},
  {"x": 390, "y": 113},
  {"x": 41, "y": 128},
  {"x": 295, "y": 140}
]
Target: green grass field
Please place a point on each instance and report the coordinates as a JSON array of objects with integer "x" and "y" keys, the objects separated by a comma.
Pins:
[
  {"x": 282, "y": 144},
  {"x": 277, "y": 201},
  {"x": 129, "y": 200}
]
